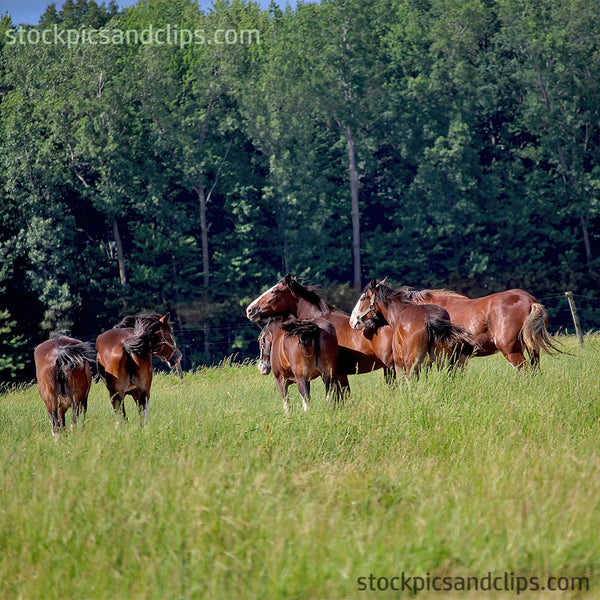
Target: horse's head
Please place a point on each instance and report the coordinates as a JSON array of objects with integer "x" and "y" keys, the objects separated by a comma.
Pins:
[
  {"x": 265, "y": 341},
  {"x": 366, "y": 313},
  {"x": 166, "y": 348},
  {"x": 277, "y": 300}
]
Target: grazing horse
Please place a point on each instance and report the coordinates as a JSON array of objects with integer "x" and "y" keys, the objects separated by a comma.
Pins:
[
  {"x": 423, "y": 334},
  {"x": 359, "y": 351},
  {"x": 512, "y": 322},
  {"x": 125, "y": 358},
  {"x": 297, "y": 352},
  {"x": 64, "y": 376}
]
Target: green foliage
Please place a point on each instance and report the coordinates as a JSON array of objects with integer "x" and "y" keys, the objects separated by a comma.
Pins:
[
  {"x": 459, "y": 141},
  {"x": 12, "y": 349}
]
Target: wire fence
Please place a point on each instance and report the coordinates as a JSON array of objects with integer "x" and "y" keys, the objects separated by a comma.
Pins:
[{"x": 211, "y": 342}]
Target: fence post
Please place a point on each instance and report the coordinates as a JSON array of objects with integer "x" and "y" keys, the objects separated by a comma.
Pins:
[{"x": 573, "y": 308}]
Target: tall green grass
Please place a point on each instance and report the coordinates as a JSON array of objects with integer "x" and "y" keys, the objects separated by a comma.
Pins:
[{"x": 223, "y": 496}]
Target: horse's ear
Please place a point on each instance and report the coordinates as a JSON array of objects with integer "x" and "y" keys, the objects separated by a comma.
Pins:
[
  {"x": 382, "y": 282},
  {"x": 165, "y": 318},
  {"x": 373, "y": 283},
  {"x": 288, "y": 279}
]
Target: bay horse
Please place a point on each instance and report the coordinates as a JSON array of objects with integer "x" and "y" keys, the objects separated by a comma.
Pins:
[
  {"x": 423, "y": 334},
  {"x": 64, "y": 377},
  {"x": 298, "y": 351},
  {"x": 125, "y": 358},
  {"x": 359, "y": 351},
  {"x": 511, "y": 322}
]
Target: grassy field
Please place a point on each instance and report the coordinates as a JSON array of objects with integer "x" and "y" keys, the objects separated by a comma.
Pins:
[{"x": 487, "y": 473}]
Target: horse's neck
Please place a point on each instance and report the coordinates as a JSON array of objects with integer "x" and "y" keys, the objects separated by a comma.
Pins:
[
  {"x": 307, "y": 310},
  {"x": 392, "y": 312}
]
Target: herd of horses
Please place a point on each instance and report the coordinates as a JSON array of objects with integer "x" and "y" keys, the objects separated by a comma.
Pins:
[
  {"x": 303, "y": 337},
  {"x": 399, "y": 330},
  {"x": 123, "y": 356}
]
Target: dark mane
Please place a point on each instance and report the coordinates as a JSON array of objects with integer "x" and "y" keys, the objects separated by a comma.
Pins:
[
  {"x": 387, "y": 295},
  {"x": 145, "y": 338},
  {"x": 126, "y": 322},
  {"x": 306, "y": 331},
  {"x": 310, "y": 293}
]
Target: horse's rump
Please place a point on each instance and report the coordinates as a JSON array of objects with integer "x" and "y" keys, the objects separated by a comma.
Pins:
[
  {"x": 74, "y": 356},
  {"x": 308, "y": 334}
]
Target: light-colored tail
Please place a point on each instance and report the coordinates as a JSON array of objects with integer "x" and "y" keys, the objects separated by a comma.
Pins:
[{"x": 534, "y": 333}]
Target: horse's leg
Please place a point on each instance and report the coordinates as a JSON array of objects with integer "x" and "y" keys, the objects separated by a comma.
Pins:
[
  {"x": 117, "y": 398},
  {"x": 513, "y": 354},
  {"x": 142, "y": 399},
  {"x": 81, "y": 387},
  {"x": 343, "y": 386},
  {"x": 389, "y": 375},
  {"x": 82, "y": 410},
  {"x": 303, "y": 385},
  {"x": 61, "y": 417},
  {"x": 326, "y": 377},
  {"x": 118, "y": 404},
  {"x": 283, "y": 384},
  {"x": 401, "y": 367},
  {"x": 54, "y": 418}
]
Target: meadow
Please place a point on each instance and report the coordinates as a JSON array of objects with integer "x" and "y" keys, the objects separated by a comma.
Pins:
[{"x": 487, "y": 473}]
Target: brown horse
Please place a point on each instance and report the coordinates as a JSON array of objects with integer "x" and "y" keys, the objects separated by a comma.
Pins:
[
  {"x": 423, "y": 334},
  {"x": 125, "y": 358},
  {"x": 359, "y": 351},
  {"x": 512, "y": 322},
  {"x": 64, "y": 376},
  {"x": 298, "y": 351}
]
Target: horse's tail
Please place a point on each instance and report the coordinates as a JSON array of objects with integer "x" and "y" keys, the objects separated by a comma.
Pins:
[
  {"x": 441, "y": 331},
  {"x": 534, "y": 333},
  {"x": 308, "y": 334},
  {"x": 72, "y": 357}
]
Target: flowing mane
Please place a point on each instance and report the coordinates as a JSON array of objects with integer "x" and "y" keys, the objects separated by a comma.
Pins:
[
  {"x": 425, "y": 296},
  {"x": 145, "y": 338},
  {"x": 388, "y": 295},
  {"x": 309, "y": 293}
]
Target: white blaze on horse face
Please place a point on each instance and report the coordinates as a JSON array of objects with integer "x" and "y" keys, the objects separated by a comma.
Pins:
[
  {"x": 354, "y": 316},
  {"x": 256, "y": 302}
]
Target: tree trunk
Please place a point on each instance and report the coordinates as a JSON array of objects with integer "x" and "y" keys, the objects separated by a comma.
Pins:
[
  {"x": 204, "y": 238},
  {"x": 355, "y": 209},
  {"x": 120, "y": 252},
  {"x": 565, "y": 167}
]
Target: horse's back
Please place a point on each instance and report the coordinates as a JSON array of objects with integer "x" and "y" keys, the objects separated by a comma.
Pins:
[
  {"x": 57, "y": 376},
  {"x": 309, "y": 358},
  {"x": 112, "y": 357},
  {"x": 495, "y": 320}
]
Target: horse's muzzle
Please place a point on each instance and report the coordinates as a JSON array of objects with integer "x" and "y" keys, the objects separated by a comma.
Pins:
[
  {"x": 253, "y": 312},
  {"x": 175, "y": 358},
  {"x": 264, "y": 367}
]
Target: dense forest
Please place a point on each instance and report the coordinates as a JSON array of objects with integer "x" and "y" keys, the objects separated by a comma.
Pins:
[{"x": 169, "y": 158}]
